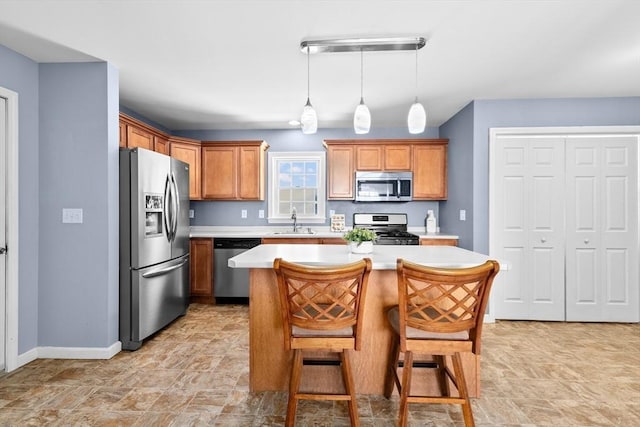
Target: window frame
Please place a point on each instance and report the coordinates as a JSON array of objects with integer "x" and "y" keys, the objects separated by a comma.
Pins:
[{"x": 273, "y": 198}]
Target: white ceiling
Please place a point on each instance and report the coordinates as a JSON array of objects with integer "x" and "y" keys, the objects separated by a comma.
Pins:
[{"x": 237, "y": 64}]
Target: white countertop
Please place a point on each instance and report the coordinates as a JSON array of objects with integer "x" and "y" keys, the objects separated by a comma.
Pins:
[
  {"x": 383, "y": 257},
  {"x": 259, "y": 232}
]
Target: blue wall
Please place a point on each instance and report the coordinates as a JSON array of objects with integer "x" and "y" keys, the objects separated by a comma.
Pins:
[
  {"x": 20, "y": 74},
  {"x": 228, "y": 213},
  {"x": 459, "y": 131},
  {"x": 78, "y": 169},
  {"x": 68, "y": 157}
]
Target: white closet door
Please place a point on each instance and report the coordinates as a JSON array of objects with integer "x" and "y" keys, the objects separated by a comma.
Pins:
[
  {"x": 602, "y": 229},
  {"x": 529, "y": 234}
]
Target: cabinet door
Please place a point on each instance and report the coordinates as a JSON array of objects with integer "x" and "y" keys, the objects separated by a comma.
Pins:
[
  {"x": 334, "y": 241},
  {"x": 202, "y": 269},
  {"x": 123, "y": 134},
  {"x": 397, "y": 157},
  {"x": 219, "y": 172},
  {"x": 438, "y": 242},
  {"x": 189, "y": 153},
  {"x": 250, "y": 167},
  {"x": 161, "y": 145},
  {"x": 137, "y": 137},
  {"x": 369, "y": 157},
  {"x": 430, "y": 172},
  {"x": 340, "y": 170}
]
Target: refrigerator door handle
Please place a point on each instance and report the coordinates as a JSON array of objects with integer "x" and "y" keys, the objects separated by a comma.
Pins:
[
  {"x": 176, "y": 206},
  {"x": 162, "y": 271},
  {"x": 166, "y": 209}
]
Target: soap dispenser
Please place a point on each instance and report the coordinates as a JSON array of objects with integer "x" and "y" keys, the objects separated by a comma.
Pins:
[{"x": 431, "y": 222}]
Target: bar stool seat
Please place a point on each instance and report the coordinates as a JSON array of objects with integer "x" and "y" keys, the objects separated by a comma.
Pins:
[{"x": 322, "y": 311}]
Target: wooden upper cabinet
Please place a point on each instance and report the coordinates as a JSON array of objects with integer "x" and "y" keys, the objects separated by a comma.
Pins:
[
  {"x": 123, "y": 134},
  {"x": 135, "y": 133},
  {"x": 426, "y": 158},
  {"x": 397, "y": 157},
  {"x": 137, "y": 137},
  {"x": 430, "y": 171},
  {"x": 369, "y": 157},
  {"x": 383, "y": 157},
  {"x": 233, "y": 170},
  {"x": 340, "y": 171},
  {"x": 188, "y": 150},
  {"x": 161, "y": 144}
]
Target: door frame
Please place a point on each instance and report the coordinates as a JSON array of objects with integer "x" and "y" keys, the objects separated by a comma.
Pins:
[
  {"x": 494, "y": 133},
  {"x": 11, "y": 283}
]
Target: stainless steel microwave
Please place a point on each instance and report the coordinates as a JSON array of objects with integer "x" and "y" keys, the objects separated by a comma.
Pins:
[{"x": 383, "y": 186}]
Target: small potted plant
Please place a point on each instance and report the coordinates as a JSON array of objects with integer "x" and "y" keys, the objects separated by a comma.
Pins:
[{"x": 360, "y": 240}]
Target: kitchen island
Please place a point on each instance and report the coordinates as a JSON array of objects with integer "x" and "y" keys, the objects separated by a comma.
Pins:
[{"x": 269, "y": 362}]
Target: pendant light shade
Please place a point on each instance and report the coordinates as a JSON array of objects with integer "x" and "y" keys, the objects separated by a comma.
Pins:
[
  {"x": 309, "y": 118},
  {"x": 362, "y": 116},
  {"x": 417, "y": 118}
]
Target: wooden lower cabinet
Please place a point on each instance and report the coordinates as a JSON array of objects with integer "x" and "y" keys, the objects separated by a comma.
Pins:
[
  {"x": 438, "y": 242},
  {"x": 202, "y": 271}
]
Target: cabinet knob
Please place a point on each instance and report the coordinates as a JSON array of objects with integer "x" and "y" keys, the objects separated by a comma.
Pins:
[
  {"x": 543, "y": 240},
  {"x": 586, "y": 241}
]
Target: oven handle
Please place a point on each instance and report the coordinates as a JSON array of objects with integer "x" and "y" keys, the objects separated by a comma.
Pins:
[{"x": 399, "y": 187}]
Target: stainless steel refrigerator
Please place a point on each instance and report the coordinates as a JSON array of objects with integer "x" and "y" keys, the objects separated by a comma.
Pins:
[{"x": 154, "y": 243}]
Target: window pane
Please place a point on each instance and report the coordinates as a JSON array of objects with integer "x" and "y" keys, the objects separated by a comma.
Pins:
[
  {"x": 285, "y": 195},
  {"x": 311, "y": 181},
  {"x": 284, "y": 167},
  {"x": 311, "y": 168},
  {"x": 298, "y": 181},
  {"x": 284, "y": 209},
  {"x": 311, "y": 194},
  {"x": 297, "y": 167},
  {"x": 299, "y": 207},
  {"x": 284, "y": 181},
  {"x": 310, "y": 208},
  {"x": 297, "y": 195}
]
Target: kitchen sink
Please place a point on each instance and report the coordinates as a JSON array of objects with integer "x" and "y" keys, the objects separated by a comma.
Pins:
[{"x": 307, "y": 232}]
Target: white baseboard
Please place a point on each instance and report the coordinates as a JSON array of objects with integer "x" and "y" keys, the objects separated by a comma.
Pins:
[{"x": 69, "y": 353}]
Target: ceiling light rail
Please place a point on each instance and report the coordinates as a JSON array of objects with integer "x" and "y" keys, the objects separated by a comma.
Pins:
[{"x": 362, "y": 44}]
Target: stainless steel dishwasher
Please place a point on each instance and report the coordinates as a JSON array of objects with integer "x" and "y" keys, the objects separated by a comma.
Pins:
[{"x": 230, "y": 283}]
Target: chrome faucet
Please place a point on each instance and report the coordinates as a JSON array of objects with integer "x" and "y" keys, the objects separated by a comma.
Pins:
[{"x": 294, "y": 217}]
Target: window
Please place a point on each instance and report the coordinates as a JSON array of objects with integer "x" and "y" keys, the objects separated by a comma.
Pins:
[{"x": 297, "y": 181}]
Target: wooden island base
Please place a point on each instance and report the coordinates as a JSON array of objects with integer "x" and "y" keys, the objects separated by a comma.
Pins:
[{"x": 269, "y": 362}]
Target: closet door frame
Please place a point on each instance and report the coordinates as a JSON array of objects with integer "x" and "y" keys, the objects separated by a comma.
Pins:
[{"x": 564, "y": 132}]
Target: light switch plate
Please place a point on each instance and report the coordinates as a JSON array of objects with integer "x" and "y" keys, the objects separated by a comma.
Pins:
[
  {"x": 463, "y": 215},
  {"x": 261, "y": 213},
  {"x": 192, "y": 213},
  {"x": 71, "y": 216},
  {"x": 243, "y": 213}
]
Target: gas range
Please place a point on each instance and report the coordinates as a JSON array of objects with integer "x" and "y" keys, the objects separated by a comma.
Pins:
[{"x": 390, "y": 228}]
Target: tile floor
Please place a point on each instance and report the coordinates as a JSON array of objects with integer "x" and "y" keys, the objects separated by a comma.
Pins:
[{"x": 195, "y": 372}]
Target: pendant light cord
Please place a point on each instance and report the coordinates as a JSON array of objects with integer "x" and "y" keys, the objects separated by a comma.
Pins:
[
  {"x": 416, "y": 72},
  {"x": 361, "y": 75},
  {"x": 308, "y": 74}
]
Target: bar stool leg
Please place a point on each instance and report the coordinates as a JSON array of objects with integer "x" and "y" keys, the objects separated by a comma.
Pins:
[
  {"x": 462, "y": 390},
  {"x": 441, "y": 371},
  {"x": 404, "y": 391},
  {"x": 347, "y": 377},
  {"x": 294, "y": 385}
]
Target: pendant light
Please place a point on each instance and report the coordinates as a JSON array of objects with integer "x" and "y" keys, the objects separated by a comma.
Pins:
[
  {"x": 362, "y": 116},
  {"x": 309, "y": 118},
  {"x": 417, "y": 118}
]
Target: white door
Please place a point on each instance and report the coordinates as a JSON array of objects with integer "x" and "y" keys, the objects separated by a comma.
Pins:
[
  {"x": 3, "y": 257},
  {"x": 602, "y": 229},
  {"x": 528, "y": 205}
]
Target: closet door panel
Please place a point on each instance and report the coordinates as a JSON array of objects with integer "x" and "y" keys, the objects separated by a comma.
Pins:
[{"x": 602, "y": 229}]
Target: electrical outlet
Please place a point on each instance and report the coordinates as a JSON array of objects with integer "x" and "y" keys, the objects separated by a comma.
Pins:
[
  {"x": 332, "y": 212},
  {"x": 71, "y": 216},
  {"x": 463, "y": 215},
  {"x": 261, "y": 213},
  {"x": 243, "y": 213},
  {"x": 192, "y": 213}
]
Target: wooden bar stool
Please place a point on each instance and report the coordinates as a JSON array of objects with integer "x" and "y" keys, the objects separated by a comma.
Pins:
[
  {"x": 440, "y": 313},
  {"x": 322, "y": 310}
]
